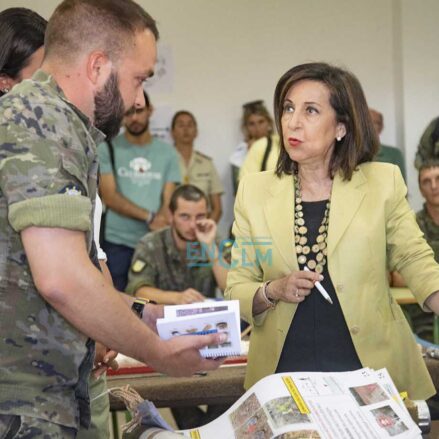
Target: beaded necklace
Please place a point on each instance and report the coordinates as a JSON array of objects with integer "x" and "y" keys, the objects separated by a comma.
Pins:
[{"x": 313, "y": 256}]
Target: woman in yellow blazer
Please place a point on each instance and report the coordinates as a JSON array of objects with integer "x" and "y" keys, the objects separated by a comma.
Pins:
[{"x": 329, "y": 208}]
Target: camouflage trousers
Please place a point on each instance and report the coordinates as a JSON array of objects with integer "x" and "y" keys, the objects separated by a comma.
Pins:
[
  {"x": 100, "y": 411},
  {"x": 25, "y": 427}
]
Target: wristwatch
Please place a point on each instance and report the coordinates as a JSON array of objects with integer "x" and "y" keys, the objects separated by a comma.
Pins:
[{"x": 138, "y": 306}]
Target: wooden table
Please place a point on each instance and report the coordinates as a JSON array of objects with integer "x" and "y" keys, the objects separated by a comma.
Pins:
[
  {"x": 403, "y": 296},
  {"x": 221, "y": 386}
]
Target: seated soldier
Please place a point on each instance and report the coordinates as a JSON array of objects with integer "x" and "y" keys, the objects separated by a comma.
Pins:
[
  {"x": 428, "y": 220},
  {"x": 181, "y": 263}
]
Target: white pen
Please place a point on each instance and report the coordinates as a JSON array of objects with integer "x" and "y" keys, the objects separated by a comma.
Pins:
[{"x": 319, "y": 286}]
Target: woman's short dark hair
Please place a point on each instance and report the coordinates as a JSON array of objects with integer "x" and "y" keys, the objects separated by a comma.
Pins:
[
  {"x": 22, "y": 34},
  {"x": 188, "y": 192},
  {"x": 181, "y": 113},
  {"x": 360, "y": 144}
]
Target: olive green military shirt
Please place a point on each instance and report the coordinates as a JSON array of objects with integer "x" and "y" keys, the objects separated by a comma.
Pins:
[
  {"x": 422, "y": 322},
  {"x": 201, "y": 172},
  {"x": 48, "y": 175},
  {"x": 158, "y": 263}
]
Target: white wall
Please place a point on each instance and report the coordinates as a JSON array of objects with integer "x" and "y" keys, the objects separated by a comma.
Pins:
[
  {"x": 232, "y": 51},
  {"x": 420, "y": 67}
]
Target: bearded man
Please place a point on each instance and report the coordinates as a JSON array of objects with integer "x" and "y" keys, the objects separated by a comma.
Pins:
[
  {"x": 182, "y": 263},
  {"x": 53, "y": 300}
]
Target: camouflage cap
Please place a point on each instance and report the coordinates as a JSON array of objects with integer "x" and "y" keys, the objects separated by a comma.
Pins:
[{"x": 427, "y": 154}]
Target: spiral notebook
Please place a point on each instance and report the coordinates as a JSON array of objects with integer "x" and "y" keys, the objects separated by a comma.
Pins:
[{"x": 204, "y": 318}]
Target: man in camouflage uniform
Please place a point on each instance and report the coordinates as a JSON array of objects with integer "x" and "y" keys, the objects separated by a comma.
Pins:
[
  {"x": 182, "y": 263},
  {"x": 428, "y": 217},
  {"x": 52, "y": 297},
  {"x": 428, "y": 220},
  {"x": 427, "y": 163}
]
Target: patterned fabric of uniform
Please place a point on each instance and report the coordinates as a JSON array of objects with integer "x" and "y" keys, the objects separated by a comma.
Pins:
[
  {"x": 422, "y": 322},
  {"x": 141, "y": 171},
  {"x": 48, "y": 174},
  {"x": 158, "y": 263},
  {"x": 430, "y": 229},
  {"x": 25, "y": 427}
]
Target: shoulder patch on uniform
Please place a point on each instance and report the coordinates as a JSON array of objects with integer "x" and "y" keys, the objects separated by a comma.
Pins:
[
  {"x": 138, "y": 266},
  {"x": 203, "y": 155}
]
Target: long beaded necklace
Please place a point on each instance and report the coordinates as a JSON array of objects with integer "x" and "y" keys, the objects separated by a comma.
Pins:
[{"x": 313, "y": 256}]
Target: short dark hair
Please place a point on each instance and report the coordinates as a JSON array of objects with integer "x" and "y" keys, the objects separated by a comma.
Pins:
[
  {"x": 109, "y": 25},
  {"x": 188, "y": 192},
  {"x": 22, "y": 34},
  {"x": 427, "y": 165},
  {"x": 181, "y": 113},
  {"x": 360, "y": 144}
]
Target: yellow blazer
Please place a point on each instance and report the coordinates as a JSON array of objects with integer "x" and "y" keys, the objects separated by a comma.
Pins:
[{"x": 371, "y": 229}]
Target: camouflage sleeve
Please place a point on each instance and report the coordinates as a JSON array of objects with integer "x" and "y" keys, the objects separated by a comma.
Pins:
[
  {"x": 43, "y": 184},
  {"x": 143, "y": 270}
]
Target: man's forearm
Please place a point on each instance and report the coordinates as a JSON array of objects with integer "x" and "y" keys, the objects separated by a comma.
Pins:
[
  {"x": 215, "y": 203},
  {"x": 215, "y": 214},
  {"x": 432, "y": 302},
  {"x": 150, "y": 314},
  {"x": 160, "y": 296},
  {"x": 125, "y": 207},
  {"x": 219, "y": 269},
  {"x": 79, "y": 292}
]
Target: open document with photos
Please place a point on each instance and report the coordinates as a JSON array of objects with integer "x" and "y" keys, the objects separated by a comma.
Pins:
[
  {"x": 362, "y": 404},
  {"x": 204, "y": 318}
]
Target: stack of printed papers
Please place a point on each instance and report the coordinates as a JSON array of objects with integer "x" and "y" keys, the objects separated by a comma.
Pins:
[{"x": 362, "y": 404}]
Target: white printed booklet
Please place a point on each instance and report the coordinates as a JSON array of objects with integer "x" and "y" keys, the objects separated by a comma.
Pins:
[{"x": 204, "y": 318}]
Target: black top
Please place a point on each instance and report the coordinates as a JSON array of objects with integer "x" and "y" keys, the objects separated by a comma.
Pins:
[{"x": 318, "y": 339}]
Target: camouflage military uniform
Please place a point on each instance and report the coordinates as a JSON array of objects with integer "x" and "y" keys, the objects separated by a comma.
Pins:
[
  {"x": 430, "y": 229},
  {"x": 158, "y": 263},
  {"x": 422, "y": 323},
  {"x": 48, "y": 171}
]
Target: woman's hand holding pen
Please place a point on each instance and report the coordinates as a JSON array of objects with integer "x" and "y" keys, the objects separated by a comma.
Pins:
[{"x": 294, "y": 287}]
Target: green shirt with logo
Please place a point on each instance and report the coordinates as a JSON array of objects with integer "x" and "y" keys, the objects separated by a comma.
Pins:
[{"x": 140, "y": 171}]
